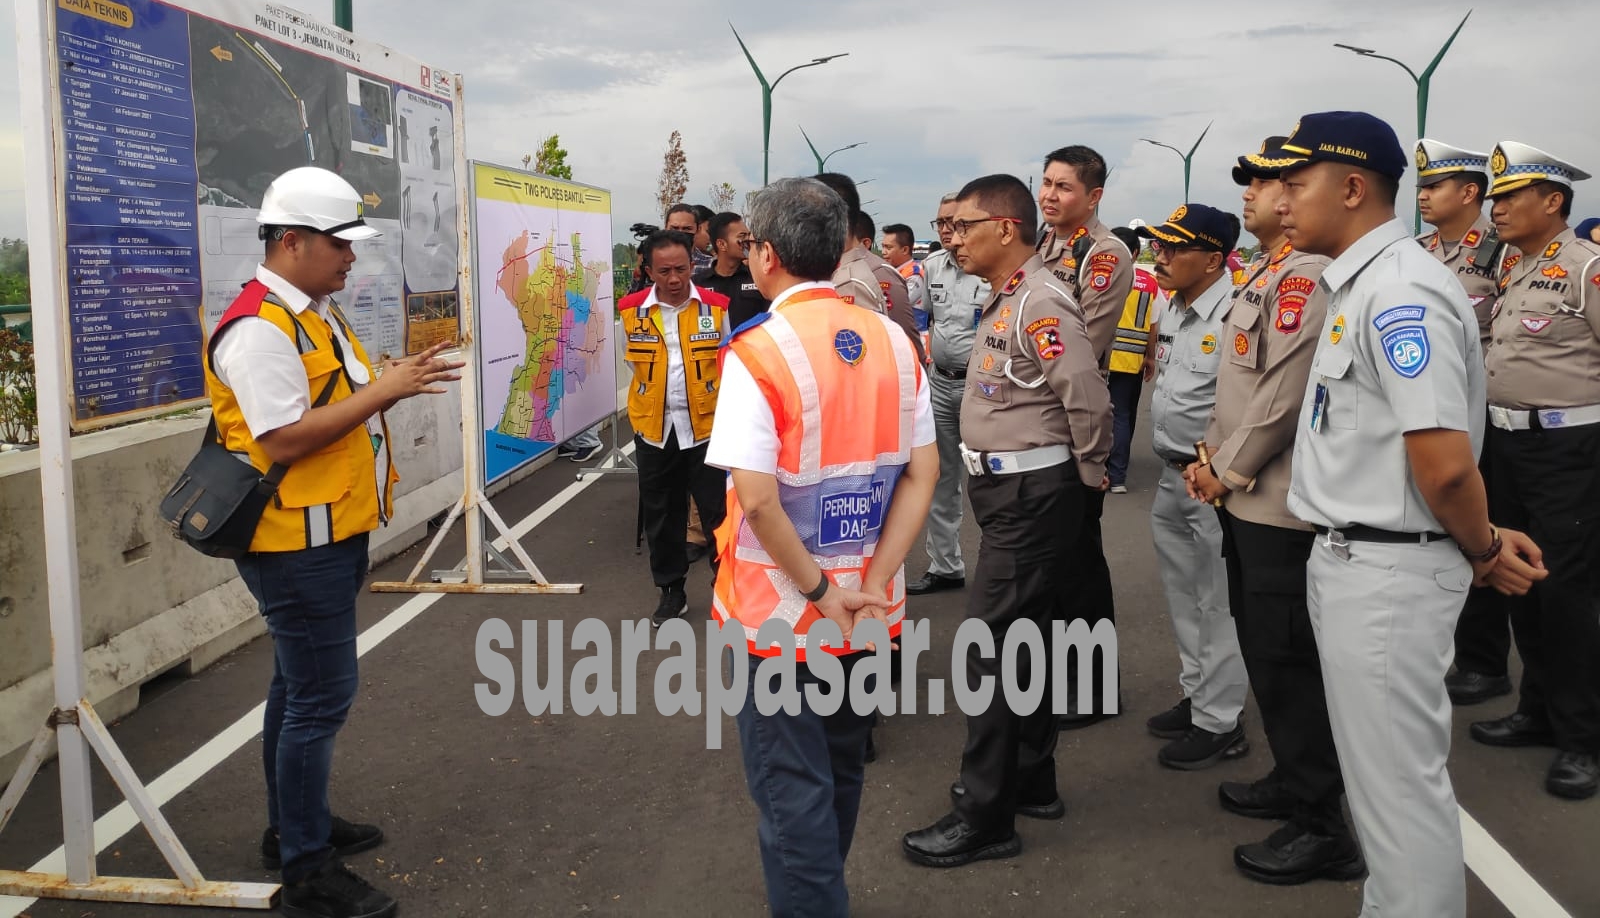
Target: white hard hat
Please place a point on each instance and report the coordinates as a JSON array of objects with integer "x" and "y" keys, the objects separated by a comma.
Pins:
[{"x": 314, "y": 197}]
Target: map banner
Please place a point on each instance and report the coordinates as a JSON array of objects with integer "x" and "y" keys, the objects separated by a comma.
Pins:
[
  {"x": 174, "y": 118},
  {"x": 544, "y": 310}
]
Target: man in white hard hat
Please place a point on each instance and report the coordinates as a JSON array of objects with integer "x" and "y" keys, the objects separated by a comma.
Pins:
[{"x": 291, "y": 385}]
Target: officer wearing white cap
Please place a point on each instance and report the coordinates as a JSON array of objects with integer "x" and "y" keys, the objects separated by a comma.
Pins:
[
  {"x": 1385, "y": 468},
  {"x": 1191, "y": 250},
  {"x": 1273, "y": 326},
  {"x": 291, "y": 386},
  {"x": 1451, "y": 186},
  {"x": 1544, "y": 443}
]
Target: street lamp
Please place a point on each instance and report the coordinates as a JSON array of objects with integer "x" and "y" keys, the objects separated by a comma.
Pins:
[
  {"x": 822, "y": 161},
  {"x": 766, "y": 95},
  {"x": 1422, "y": 85},
  {"x": 1186, "y": 157},
  {"x": 343, "y": 14}
]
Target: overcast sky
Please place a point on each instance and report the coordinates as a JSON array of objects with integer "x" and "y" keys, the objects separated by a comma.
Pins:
[{"x": 942, "y": 92}]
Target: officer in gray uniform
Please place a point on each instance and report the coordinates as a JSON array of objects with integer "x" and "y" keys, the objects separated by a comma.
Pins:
[
  {"x": 954, "y": 300},
  {"x": 864, "y": 279},
  {"x": 1036, "y": 426},
  {"x": 1451, "y": 185},
  {"x": 1385, "y": 468},
  {"x": 1191, "y": 251},
  {"x": 1544, "y": 443}
]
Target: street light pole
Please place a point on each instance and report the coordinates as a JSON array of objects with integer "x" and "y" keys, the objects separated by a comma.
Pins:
[
  {"x": 822, "y": 161},
  {"x": 343, "y": 15},
  {"x": 1422, "y": 82},
  {"x": 766, "y": 96},
  {"x": 1187, "y": 158}
]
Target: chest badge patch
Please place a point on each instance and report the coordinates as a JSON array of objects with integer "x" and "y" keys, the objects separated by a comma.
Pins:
[
  {"x": 708, "y": 324},
  {"x": 1049, "y": 343},
  {"x": 849, "y": 345},
  {"x": 1241, "y": 344},
  {"x": 1535, "y": 325},
  {"x": 1208, "y": 344},
  {"x": 1336, "y": 334},
  {"x": 1554, "y": 272}
]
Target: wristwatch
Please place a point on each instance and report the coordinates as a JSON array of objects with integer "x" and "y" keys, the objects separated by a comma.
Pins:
[
  {"x": 1490, "y": 553},
  {"x": 820, "y": 591}
]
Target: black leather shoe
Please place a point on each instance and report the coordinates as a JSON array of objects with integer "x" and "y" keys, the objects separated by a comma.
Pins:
[
  {"x": 1263, "y": 799},
  {"x": 1055, "y": 809},
  {"x": 1291, "y": 856},
  {"x": 1174, "y": 722},
  {"x": 1518, "y": 729},
  {"x": 933, "y": 583},
  {"x": 951, "y": 842},
  {"x": 1573, "y": 775},
  {"x": 347, "y": 838},
  {"x": 1200, "y": 748},
  {"x": 334, "y": 891},
  {"x": 1474, "y": 688}
]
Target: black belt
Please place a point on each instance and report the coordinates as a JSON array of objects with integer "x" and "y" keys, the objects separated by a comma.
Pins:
[
  {"x": 1183, "y": 463},
  {"x": 1370, "y": 534},
  {"x": 949, "y": 374}
]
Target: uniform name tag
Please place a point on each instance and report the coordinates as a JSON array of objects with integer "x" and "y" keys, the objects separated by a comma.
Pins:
[
  {"x": 705, "y": 336},
  {"x": 644, "y": 339},
  {"x": 849, "y": 516}
]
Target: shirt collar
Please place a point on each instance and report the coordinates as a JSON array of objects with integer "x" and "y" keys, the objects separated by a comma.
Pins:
[
  {"x": 288, "y": 293},
  {"x": 1205, "y": 305},
  {"x": 1344, "y": 268},
  {"x": 652, "y": 300},
  {"x": 808, "y": 285}
]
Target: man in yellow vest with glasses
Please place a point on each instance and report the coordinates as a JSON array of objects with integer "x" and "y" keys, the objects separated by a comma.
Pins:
[{"x": 282, "y": 344}]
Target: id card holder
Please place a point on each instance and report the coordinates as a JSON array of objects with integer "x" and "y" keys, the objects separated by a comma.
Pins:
[
  {"x": 1319, "y": 407},
  {"x": 977, "y": 317}
]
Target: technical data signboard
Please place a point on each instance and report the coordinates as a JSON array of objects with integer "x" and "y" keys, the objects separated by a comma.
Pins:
[
  {"x": 547, "y": 371},
  {"x": 175, "y": 117}
]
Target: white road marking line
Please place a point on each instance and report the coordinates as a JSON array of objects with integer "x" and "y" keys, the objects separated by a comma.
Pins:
[
  {"x": 120, "y": 820},
  {"x": 1520, "y": 893}
]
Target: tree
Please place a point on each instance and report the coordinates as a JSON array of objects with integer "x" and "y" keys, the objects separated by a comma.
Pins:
[
  {"x": 13, "y": 271},
  {"x": 551, "y": 159},
  {"x": 722, "y": 197},
  {"x": 674, "y": 182},
  {"x": 749, "y": 199}
]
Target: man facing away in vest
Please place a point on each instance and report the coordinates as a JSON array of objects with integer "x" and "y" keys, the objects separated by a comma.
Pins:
[
  {"x": 280, "y": 345},
  {"x": 826, "y": 428}
]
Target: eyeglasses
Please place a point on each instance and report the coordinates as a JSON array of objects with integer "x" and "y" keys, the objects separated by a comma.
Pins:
[
  {"x": 942, "y": 225},
  {"x": 744, "y": 240},
  {"x": 963, "y": 227},
  {"x": 1169, "y": 251}
]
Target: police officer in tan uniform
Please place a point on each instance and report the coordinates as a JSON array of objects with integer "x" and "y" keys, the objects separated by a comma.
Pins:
[
  {"x": 1544, "y": 443},
  {"x": 1268, "y": 341},
  {"x": 1036, "y": 431},
  {"x": 1095, "y": 268},
  {"x": 1451, "y": 185},
  {"x": 867, "y": 280}
]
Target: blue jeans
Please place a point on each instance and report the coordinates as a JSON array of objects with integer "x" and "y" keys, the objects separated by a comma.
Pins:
[
  {"x": 308, "y": 598},
  {"x": 1125, "y": 389},
  {"x": 805, "y": 775}
]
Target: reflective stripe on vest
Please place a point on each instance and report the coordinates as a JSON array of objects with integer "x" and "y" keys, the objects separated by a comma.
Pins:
[{"x": 845, "y": 434}]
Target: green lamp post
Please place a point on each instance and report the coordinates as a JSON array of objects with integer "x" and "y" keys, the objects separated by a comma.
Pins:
[{"x": 766, "y": 96}]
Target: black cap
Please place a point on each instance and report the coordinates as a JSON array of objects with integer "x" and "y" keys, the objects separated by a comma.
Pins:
[
  {"x": 1352, "y": 138},
  {"x": 1197, "y": 224},
  {"x": 1265, "y": 164}
]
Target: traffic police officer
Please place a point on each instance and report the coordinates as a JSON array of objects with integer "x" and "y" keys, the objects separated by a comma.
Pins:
[
  {"x": 1544, "y": 443},
  {"x": 954, "y": 300},
  {"x": 1451, "y": 184},
  {"x": 1036, "y": 430},
  {"x": 1098, "y": 280},
  {"x": 1385, "y": 469},
  {"x": 1192, "y": 264},
  {"x": 864, "y": 279},
  {"x": 1272, "y": 330}
]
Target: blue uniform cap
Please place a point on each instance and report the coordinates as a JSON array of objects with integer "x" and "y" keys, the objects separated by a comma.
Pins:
[
  {"x": 1196, "y": 224},
  {"x": 1351, "y": 138}
]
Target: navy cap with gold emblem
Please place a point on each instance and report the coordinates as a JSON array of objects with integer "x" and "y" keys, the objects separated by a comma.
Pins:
[
  {"x": 1197, "y": 224},
  {"x": 1351, "y": 138},
  {"x": 1265, "y": 164},
  {"x": 1438, "y": 161},
  {"x": 1515, "y": 165}
]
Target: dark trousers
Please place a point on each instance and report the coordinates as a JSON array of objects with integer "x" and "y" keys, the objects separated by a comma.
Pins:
[
  {"x": 1125, "y": 389},
  {"x": 1025, "y": 521},
  {"x": 1483, "y": 632},
  {"x": 805, "y": 776},
  {"x": 308, "y": 598},
  {"x": 1267, "y": 594},
  {"x": 668, "y": 476},
  {"x": 1547, "y": 484},
  {"x": 1084, "y": 582}
]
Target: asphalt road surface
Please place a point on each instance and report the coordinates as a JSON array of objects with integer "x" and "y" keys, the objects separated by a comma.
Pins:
[{"x": 560, "y": 814}]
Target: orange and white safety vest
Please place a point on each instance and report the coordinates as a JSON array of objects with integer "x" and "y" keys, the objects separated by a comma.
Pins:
[{"x": 841, "y": 381}]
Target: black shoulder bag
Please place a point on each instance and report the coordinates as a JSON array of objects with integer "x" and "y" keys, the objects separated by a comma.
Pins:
[{"x": 217, "y": 502}]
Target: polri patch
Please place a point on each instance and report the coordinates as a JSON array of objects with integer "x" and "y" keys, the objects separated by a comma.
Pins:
[
  {"x": 1406, "y": 349},
  {"x": 1049, "y": 343},
  {"x": 1398, "y": 314},
  {"x": 1289, "y": 311},
  {"x": 1046, "y": 322}
]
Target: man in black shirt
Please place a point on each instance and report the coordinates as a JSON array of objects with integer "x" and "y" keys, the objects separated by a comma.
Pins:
[{"x": 728, "y": 274}]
